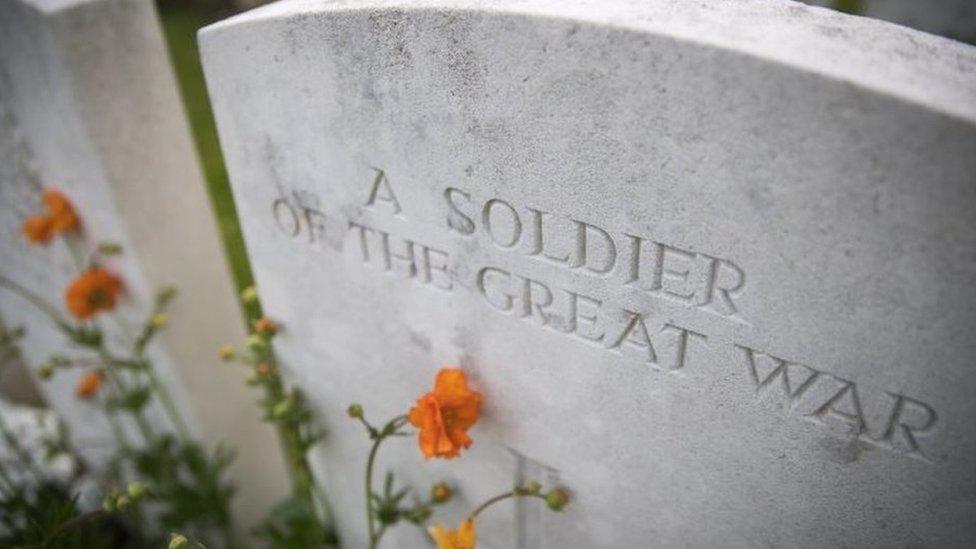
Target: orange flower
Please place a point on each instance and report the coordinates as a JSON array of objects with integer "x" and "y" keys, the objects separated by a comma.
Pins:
[
  {"x": 95, "y": 290},
  {"x": 89, "y": 384},
  {"x": 59, "y": 211},
  {"x": 445, "y": 414},
  {"x": 60, "y": 217},
  {"x": 462, "y": 538},
  {"x": 38, "y": 230}
]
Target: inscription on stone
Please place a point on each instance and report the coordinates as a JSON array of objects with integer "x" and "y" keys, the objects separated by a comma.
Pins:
[{"x": 623, "y": 262}]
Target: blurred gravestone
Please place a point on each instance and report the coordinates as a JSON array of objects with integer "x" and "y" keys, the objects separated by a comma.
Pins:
[
  {"x": 88, "y": 105},
  {"x": 711, "y": 263}
]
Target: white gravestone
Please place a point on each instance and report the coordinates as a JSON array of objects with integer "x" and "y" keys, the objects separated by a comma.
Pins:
[
  {"x": 88, "y": 105},
  {"x": 710, "y": 263}
]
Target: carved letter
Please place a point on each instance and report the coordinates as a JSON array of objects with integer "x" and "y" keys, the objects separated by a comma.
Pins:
[
  {"x": 582, "y": 248},
  {"x": 853, "y": 416},
  {"x": 635, "y": 333},
  {"x": 388, "y": 197},
  {"x": 923, "y": 420},
  {"x": 364, "y": 245},
  {"x": 539, "y": 242},
  {"x": 724, "y": 286},
  {"x": 407, "y": 257},
  {"x": 779, "y": 371},
  {"x": 428, "y": 255},
  {"x": 482, "y": 282},
  {"x": 576, "y": 315},
  {"x": 516, "y": 223},
  {"x": 458, "y": 220},
  {"x": 681, "y": 345},
  {"x": 530, "y": 301}
]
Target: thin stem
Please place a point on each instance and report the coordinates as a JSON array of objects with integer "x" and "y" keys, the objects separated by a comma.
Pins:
[
  {"x": 77, "y": 521},
  {"x": 35, "y": 300},
  {"x": 167, "y": 402},
  {"x": 373, "y": 540},
  {"x": 117, "y": 431},
  {"x": 120, "y": 386},
  {"x": 389, "y": 429},
  {"x": 500, "y": 497}
]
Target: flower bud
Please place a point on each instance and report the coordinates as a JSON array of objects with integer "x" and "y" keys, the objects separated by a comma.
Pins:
[
  {"x": 137, "y": 490},
  {"x": 557, "y": 498},
  {"x": 226, "y": 353},
  {"x": 122, "y": 503},
  {"x": 355, "y": 411},
  {"x": 531, "y": 487},
  {"x": 252, "y": 379},
  {"x": 109, "y": 248},
  {"x": 440, "y": 492},
  {"x": 165, "y": 295},
  {"x": 108, "y": 504},
  {"x": 257, "y": 344},
  {"x": 45, "y": 371},
  {"x": 249, "y": 295},
  {"x": 159, "y": 321},
  {"x": 265, "y": 326},
  {"x": 177, "y": 541},
  {"x": 263, "y": 369}
]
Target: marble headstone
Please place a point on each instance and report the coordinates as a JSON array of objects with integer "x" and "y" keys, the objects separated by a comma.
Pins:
[
  {"x": 710, "y": 263},
  {"x": 88, "y": 104}
]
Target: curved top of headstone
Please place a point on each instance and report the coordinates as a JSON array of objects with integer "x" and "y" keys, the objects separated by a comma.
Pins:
[{"x": 915, "y": 66}]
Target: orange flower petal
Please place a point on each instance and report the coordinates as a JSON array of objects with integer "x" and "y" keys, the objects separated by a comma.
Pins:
[
  {"x": 445, "y": 414},
  {"x": 59, "y": 210},
  {"x": 89, "y": 385},
  {"x": 94, "y": 291},
  {"x": 37, "y": 229}
]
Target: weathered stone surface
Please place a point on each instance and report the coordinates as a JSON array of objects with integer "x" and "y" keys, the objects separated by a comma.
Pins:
[
  {"x": 88, "y": 104},
  {"x": 711, "y": 263}
]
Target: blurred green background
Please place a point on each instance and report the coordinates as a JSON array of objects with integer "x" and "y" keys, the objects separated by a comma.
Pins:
[{"x": 181, "y": 19}]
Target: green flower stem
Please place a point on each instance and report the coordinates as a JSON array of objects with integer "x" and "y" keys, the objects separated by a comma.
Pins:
[
  {"x": 37, "y": 301},
  {"x": 167, "y": 401},
  {"x": 67, "y": 526},
  {"x": 295, "y": 450},
  {"x": 501, "y": 497},
  {"x": 389, "y": 429},
  {"x": 119, "y": 385},
  {"x": 118, "y": 432}
]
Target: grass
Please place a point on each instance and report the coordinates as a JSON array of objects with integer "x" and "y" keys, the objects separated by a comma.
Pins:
[{"x": 180, "y": 20}]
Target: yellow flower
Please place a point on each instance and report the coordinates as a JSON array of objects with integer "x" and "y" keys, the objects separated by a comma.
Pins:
[{"x": 462, "y": 538}]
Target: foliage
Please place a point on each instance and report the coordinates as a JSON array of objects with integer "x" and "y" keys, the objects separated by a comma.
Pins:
[{"x": 48, "y": 516}]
